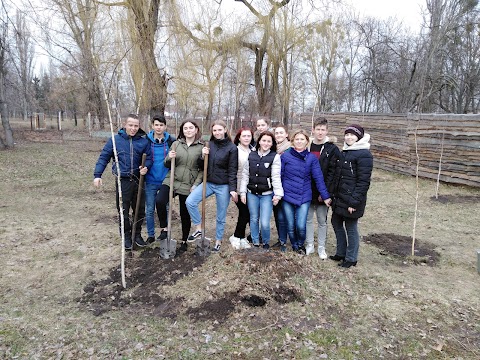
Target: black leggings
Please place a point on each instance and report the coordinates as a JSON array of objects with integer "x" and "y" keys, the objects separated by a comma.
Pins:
[
  {"x": 161, "y": 202},
  {"x": 243, "y": 219}
]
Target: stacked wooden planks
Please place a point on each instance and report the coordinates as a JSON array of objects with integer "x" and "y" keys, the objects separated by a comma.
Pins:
[{"x": 448, "y": 141}]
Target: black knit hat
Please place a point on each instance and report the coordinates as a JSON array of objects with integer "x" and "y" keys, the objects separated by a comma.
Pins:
[{"x": 356, "y": 130}]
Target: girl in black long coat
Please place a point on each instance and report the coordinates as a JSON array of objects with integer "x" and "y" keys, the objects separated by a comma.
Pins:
[{"x": 352, "y": 181}]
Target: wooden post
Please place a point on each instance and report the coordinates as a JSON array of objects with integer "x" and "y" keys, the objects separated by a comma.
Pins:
[
  {"x": 59, "y": 120},
  {"x": 31, "y": 122},
  {"x": 89, "y": 124}
]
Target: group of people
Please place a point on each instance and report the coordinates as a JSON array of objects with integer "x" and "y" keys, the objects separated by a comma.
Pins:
[{"x": 295, "y": 177}]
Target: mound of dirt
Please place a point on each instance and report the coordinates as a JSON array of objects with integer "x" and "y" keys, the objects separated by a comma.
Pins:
[
  {"x": 147, "y": 274},
  {"x": 401, "y": 246}
]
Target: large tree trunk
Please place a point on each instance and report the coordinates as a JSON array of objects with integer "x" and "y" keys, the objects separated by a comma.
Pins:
[
  {"x": 3, "y": 103},
  {"x": 151, "y": 85},
  {"x": 4, "y": 114}
]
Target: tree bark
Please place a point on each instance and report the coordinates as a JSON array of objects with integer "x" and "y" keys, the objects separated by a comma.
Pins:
[
  {"x": 3, "y": 101},
  {"x": 145, "y": 19}
]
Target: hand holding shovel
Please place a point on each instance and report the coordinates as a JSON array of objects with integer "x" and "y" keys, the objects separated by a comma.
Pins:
[
  {"x": 139, "y": 199},
  {"x": 203, "y": 244},
  {"x": 168, "y": 247}
]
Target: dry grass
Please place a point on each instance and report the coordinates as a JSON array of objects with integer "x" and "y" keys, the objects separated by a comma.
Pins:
[{"x": 59, "y": 235}]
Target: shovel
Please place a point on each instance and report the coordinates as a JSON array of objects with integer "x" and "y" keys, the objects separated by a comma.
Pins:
[
  {"x": 168, "y": 247},
  {"x": 137, "y": 205},
  {"x": 203, "y": 244}
]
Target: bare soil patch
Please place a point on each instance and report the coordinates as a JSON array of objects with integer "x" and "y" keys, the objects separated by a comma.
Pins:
[
  {"x": 456, "y": 199},
  {"x": 401, "y": 247},
  {"x": 147, "y": 274}
]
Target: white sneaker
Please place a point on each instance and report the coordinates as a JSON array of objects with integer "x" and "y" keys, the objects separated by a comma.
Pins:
[
  {"x": 322, "y": 253},
  {"x": 244, "y": 244},
  {"x": 235, "y": 241},
  {"x": 310, "y": 248}
]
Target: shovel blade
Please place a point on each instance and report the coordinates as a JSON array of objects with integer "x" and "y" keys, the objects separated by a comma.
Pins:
[
  {"x": 203, "y": 246},
  {"x": 168, "y": 248}
]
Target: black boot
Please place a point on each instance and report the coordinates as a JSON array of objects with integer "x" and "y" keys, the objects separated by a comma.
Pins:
[
  {"x": 183, "y": 247},
  {"x": 139, "y": 241}
]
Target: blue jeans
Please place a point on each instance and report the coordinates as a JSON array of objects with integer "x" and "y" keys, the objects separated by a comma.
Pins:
[
  {"x": 260, "y": 208},
  {"x": 348, "y": 241},
  {"x": 150, "y": 195},
  {"x": 222, "y": 197},
  {"x": 296, "y": 216}
]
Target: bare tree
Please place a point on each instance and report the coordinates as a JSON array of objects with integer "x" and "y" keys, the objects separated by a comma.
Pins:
[
  {"x": 81, "y": 19},
  {"x": 24, "y": 61},
  {"x": 143, "y": 22},
  {"x": 451, "y": 50},
  {"x": 4, "y": 53},
  {"x": 321, "y": 56}
]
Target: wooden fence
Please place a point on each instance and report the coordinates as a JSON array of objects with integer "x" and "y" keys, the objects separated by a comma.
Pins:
[{"x": 451, "y": 142}]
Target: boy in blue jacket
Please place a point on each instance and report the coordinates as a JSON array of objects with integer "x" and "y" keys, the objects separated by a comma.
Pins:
[
  {"x": 160, "y": 143},
  {"x": 131, "y": 144}
]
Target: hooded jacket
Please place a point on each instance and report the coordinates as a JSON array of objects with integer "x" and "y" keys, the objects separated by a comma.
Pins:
[
  {"x": 187, "y": 172},
  {"x": 352, "y": 178},
  {"x": 129, "y": 151},
  {"x": 222, "y": 163},
  {"x": 298, "y": 171},
  {"x": 156, "y": 174}
]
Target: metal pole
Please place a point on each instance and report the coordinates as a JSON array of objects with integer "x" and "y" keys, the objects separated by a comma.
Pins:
[{"x": 478, "y": 261}]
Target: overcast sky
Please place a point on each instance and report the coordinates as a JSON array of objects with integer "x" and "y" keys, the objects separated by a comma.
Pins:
[{"x": 409, "y": 11}]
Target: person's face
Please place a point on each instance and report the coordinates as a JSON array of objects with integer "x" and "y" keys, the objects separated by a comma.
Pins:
[
  {"x": 189, "y": 130},
  {"x": 300, "y": 142},
  {"x": 159, "y": 127},
  {"x": 265, "y": 143},
  {"x": 262, "y": 125},
  {"x": 320, "y": 132},
  {"x": 350, "y": 139},
  {"x": 132, "y": 126},
  {"x": 280, "y": 134},
  {"x": 245, "y": 137},
  {"x": 218, "y": 132}
]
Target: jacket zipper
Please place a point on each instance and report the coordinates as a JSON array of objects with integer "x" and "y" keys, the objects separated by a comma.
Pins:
[{"x": 131, "y": 157}]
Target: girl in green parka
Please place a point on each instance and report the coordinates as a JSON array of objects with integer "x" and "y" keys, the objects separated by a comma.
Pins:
[{"x": 188, "y": 175}]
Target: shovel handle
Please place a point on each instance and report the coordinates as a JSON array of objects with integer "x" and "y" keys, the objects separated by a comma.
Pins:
[
  {"x": 170, "y": 196},
  {"x": 139, "y": 198},
  {"x": 204, "y": 189}
]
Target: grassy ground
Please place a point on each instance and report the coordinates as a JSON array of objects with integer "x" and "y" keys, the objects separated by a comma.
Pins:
[{"x": 60, "y": 256}]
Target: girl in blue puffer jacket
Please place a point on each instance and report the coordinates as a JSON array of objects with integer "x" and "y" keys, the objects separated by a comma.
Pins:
[{"x": 299, "y": 167}]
